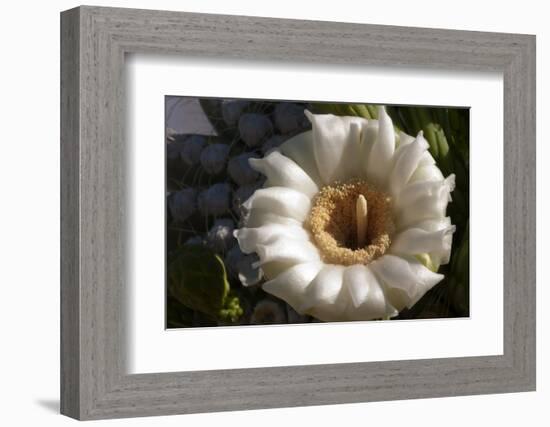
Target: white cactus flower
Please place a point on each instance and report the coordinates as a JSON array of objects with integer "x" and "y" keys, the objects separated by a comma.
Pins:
[
  {"x": 220, "y": 236},
  {"x": 215, "y": 200},
  {"x": 254, "y": 128},
  {"x": 347, "y": 213},
  {"x": 213, "y": 158}
]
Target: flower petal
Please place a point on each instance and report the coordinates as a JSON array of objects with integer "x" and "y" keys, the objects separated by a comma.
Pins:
[
  {"x": 288, "y": 251},
  {"x": 406, "y": 279},
  {"x": 368, "y": 139},
  {"x": 284, "y": 172},
  {"x": 321, "y": 295},
  {"x": 403, "y": 139},
  {"x": 280, "y": 201},
  {"x": 426, "y": 159},
  {"x": 414, "y": 241},
  {"x": 300, "y": 149},
  {"x": 428, "y": 172},
  {"x": 433, "y": 225},
  {"x": 406, "y": 162},
  {"x": 367, "y": 296},
  {"x": 417, "y": 190},
  {"x": 259, "y": 217},
  {"x": 381, "y": 154},
  {"x": 423, "y": 200},
  {"x": 292, "y": 283},
  {"x": 337, "y": 147},
  {"x": 249, "y": 238}
]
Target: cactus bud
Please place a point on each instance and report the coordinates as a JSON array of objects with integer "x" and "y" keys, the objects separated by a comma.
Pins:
[
  {"x": 268, "y": 312},
  {"x": 220, "y": 237},
  {"x": 254, "y": 128},
  {"x": 191, "y": 151},
  {"x": 215, "y": 200},
  {"x": 213, "y": 158},
  {"x": 232, "y": 110},
  {"x": 240, "y": 170},
  {"x": 290, "y": 118},
  {"x": 183, "y": 203},
  {"x": 272, "y": 143}
]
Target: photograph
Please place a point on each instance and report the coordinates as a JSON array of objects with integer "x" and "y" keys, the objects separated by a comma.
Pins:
[{"x": 294, "y": 212}]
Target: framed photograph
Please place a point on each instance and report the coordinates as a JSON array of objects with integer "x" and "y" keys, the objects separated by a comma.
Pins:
[
  {"x": 262, "y": 213},
  {"x": 366, "y": 226}
]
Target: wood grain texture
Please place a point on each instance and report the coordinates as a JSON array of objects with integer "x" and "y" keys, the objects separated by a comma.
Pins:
[
  {"x": 94, "y": 382},
  {"x": 70, "y": 314}
]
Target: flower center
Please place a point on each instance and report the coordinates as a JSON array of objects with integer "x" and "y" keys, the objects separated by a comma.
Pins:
[{"x": 351, "y": 223}]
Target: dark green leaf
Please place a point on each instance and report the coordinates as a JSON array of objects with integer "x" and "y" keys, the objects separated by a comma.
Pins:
[{"x": 197, "y": 279}]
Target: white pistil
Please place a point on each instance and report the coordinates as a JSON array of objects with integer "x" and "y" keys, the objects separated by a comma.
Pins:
[{"x": 362, "y": 220}]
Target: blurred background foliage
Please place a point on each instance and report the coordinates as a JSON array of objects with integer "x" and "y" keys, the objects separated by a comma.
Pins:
[{"x": 208, "y": 178}]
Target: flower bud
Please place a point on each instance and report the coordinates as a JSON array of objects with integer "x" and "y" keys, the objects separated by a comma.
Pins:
[
  {"x": 213, "y": 158},
  {"x": 215, "y": 200},
  {"x": 182, "y": 204},
  {"x": 190, "y": 153},
  {"x": 268, "y": 312},
  {"x": 240, "y": 170},
  {"x": 232, "y": 109},
  {"x": 272, "y": 143},
  {"x": 254, "y": 128},
  {"x": 195, "y": 241},
  {"x": 220, "y": 237},
  {"x": 289, "y": 118}
]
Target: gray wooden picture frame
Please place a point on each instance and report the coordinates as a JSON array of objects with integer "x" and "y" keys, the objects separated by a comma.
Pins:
[{"x": 94, "y": 41}]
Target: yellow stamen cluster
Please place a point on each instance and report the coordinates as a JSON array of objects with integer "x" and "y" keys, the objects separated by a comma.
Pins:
[{"x": 333, "y": 223}]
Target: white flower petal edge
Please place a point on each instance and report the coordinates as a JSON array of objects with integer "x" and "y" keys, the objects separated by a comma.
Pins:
[
  {"x": 425, "y": 201},
  {"x": 406, "y": 280},
  {"x": 258, "y": 217},
  {"x": 286, "y": 251},
  {"x": 280, "y": 201},
  {"x": 368, "y": 299},
  {"x": 413, "y": 241},
  {"x": 337, "y": 147},
  {"x": 300, "y": 148},
  {"x": 439, "y": 257},
  {"x": 291, "y": 285},
  {"x": 250, "y": 238},
  {"x": 283, "y": 172},
  {"x": 406, "y": 163},
  {"x": 321, "y": 294},
  {"x": 381, "y": 154}
]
